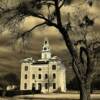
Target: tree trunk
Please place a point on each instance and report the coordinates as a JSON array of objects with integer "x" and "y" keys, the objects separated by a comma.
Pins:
[{"x": 85, "y": 89}]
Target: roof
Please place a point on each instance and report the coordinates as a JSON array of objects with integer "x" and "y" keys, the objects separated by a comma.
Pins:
[{"x": 40, "y": 62}]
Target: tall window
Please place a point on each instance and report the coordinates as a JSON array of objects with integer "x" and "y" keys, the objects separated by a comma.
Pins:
[
  {"x": 54, "y": 85},
  {"x": 25, "y": 85},
  {"x": 53, "y": 67},
  {"x": 26, "y": 68},
  {"x": 39, "y": 86},
  {"x": 39, "y": 76},
  {"x": 33, "y": 76},
  {"x": 33, "y": 86},
  {"x": 25, "y": 76},
  {"x": 46, "y": 85},
  {"x": 54, "y": 75},
  {"x": 46, "y": 76}
]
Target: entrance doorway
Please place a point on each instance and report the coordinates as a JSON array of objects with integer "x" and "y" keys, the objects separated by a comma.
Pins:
[
  {"x": 39, "y": 87},
  {"x": 33, "y": 86}
]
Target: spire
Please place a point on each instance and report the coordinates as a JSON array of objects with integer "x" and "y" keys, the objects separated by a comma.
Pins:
[{"x": 46, "y": 52}]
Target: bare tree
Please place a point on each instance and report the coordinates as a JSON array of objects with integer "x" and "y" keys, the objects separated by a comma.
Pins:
[{"x": 83, "y": 61}]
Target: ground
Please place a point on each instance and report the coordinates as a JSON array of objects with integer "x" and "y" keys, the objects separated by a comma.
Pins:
[
  {"x": 70, "y": 95},
  {"x": 57, "y": 96}
]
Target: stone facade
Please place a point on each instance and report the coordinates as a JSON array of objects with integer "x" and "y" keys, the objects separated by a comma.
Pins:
[{"x": 47, "y": 74}]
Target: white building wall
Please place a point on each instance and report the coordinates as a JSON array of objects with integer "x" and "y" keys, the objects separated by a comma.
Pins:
[
  {"x": 35, "y": 70},
  {"x": 23, "y": 73},
  {"x": 62, "y": 80},
  {"x": 45, "y": 69},
  {"x": 46, "y": 55}
]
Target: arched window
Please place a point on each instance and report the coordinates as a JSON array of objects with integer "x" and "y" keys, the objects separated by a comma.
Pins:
[{"x": 25, "y": 76}]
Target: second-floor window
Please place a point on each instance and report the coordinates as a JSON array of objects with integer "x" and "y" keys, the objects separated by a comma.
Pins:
[
  {"x": 25, "y": 76},
  {"x": 39, "y": 76},
  {"x": 46, "y": 76},
  {"x": 54, "y": 75}
]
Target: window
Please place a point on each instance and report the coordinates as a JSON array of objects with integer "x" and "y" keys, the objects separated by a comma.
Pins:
[
  {"x": 40, "y": 69},
  {"x": 54, "y": 85},
  {"x": 46, "y": 85},
  {"x": 46, "y": 76},
  {"x": 33, "y": 76},
  {"x": 39, "y": 76},
  {"x": 54, "y": 75},
  {"x": 54, "y": 67},
  {"x": 26, "y": 68},
  {"x": 25, "y": 76},
  {"x": 25, "y": 85},
  {"x": 45, "y": 42},
  {"x": 39, "y": 86},
  {"x": 33, "y": 86},
  {"x": 45, "y": 48}
]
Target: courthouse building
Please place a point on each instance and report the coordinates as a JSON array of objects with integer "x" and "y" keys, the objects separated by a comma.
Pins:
[{"x": 48, "y": 74}]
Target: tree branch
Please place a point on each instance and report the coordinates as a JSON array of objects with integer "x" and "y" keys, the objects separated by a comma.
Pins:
[
  {"x": 48, "y": 22},
  {"x": 62, "y": 4},
  {"x": 26, "y": 32},
  {"x": 10, "y": 19},
  {"x": 58, "y": 14}
]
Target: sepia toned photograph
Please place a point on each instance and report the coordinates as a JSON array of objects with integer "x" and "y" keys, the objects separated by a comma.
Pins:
[{"x": 49, "y": 49}]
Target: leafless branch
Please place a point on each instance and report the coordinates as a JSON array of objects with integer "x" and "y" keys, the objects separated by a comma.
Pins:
[
  {"x": 22, "y": 35},
  {"x": 10, "y": 19},
  {"x": 63, "y": 1}
]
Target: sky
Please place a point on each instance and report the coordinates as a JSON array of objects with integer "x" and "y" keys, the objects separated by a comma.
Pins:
[{"x": 12, "y": 52}]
